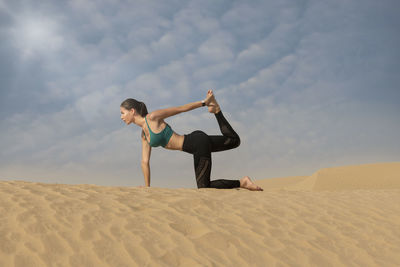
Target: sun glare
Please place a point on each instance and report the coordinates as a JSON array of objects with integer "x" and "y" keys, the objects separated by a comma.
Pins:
[{"x": 36, "y": 35}]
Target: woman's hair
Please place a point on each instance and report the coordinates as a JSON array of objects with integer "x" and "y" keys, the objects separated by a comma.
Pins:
[{"x": 131, "y": 103}]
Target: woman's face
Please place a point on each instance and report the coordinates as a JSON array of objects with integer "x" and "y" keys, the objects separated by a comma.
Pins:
[{"x": 126, "y": 115}]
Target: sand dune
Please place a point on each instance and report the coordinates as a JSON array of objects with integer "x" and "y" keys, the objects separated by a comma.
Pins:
[
  {"x": 367, "y": 176},
  {"x": 347, "y": 216}
]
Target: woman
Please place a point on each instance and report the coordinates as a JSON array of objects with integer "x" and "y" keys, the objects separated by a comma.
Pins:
[{"x": 156, "y": 132}]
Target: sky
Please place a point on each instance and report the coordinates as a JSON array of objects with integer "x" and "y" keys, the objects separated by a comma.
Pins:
[{"x": 306, "y": 85}]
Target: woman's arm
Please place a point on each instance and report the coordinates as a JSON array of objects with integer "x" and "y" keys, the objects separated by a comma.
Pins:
[
  {"x": 146, "y": 152},
  {"x": 146, "y": 173},
  {"x": 168, "y": 112}
]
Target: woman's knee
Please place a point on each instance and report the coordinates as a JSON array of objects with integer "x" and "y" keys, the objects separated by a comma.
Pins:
[
  {"x": 203, "y": 185},
  {"x": 203, "y": 182},
  {"x": 235, "y": 142}
]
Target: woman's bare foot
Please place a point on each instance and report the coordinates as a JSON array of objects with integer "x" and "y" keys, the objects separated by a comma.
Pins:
[
  {"x": 211, "y": 103},
  {"x": 246, "y": 182}
]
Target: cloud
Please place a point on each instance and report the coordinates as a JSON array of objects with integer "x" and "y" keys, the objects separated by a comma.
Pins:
[{"x": 306, "y": 85}]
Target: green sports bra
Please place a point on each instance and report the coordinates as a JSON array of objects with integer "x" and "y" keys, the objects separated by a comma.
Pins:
[{"x": 159, "y": 139}]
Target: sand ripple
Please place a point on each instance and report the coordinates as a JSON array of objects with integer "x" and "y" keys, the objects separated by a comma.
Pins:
[{"x": 88, "y": 225}]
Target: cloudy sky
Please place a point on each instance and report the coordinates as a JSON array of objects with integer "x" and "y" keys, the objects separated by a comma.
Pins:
[{"x": 306, "y": 85}]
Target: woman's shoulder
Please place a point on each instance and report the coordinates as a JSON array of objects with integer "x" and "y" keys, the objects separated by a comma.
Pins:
[{"x": 151, "y": 117}]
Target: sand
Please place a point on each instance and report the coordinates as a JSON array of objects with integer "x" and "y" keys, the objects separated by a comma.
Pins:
[{"x": 345, "y": 216}]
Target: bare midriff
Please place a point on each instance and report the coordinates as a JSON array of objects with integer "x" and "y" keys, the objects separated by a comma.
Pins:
[{"x": 175, "y": 142}]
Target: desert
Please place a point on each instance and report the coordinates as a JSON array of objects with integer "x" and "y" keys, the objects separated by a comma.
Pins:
[{"x": 339, "y": 216}]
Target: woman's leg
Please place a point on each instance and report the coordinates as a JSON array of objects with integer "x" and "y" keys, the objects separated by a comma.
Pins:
[
  {"x": 198, "y": 143},
  {"x": 224, "y": 184},
  {"x": 230, "y": 139}
]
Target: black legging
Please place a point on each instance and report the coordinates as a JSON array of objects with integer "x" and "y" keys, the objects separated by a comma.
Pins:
[{"x": 201, "y": 145}]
